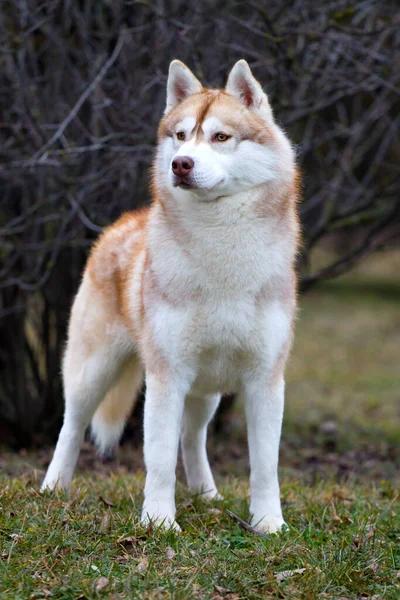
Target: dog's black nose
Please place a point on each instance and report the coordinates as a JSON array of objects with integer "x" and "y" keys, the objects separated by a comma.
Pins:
[{"x": 182, "y": 166}]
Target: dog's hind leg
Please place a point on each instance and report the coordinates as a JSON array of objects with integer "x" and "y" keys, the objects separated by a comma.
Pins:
[
  {"x": 97, "y": 351},
  {"x": 197, "y": 415}
]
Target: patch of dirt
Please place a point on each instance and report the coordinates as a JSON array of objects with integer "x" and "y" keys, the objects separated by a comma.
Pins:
[{"x": 318, "y": 458}]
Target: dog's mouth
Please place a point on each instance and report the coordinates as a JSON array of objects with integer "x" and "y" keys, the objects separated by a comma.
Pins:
[
  {"x": 185, "y": 183},
  {"x": 182, "y": 182}
]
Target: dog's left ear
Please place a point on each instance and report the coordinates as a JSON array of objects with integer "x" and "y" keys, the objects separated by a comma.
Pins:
[
  {"x": 242, "y": 84},
  {"x": 181, "y": 84}
]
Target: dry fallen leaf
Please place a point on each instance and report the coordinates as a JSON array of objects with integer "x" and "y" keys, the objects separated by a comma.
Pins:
[
  {"x": 170, "y": 553},
  {"x": 221, "y": 590},
  {"x": 340, "y": 494},
  {"x": 374, "y": 566},
  {"x": 348, "y": 521},
  {"x": 105, "y": 523},
  {"x": 214, "y": 511},
  {"x": 106, "y": 502},
  {"x": 143, "y": 565},
  {"x": 128, "y": 541},
  {"x": 101, "y": 583},
  {"x": 228, "y": 596},
  {"x": 43, "y": 592},
  {"x": 371, "y": 531},
  {"x": 285, "y": 574},
  {"x": 336, "y": 520}
]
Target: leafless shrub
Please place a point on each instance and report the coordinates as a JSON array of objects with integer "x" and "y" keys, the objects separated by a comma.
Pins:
[{"x": 82, "y": 87}]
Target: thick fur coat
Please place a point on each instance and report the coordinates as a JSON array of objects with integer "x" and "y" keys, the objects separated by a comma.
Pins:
[{"x": 196, "y": 293}]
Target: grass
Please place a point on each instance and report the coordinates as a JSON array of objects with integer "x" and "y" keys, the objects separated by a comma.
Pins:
[
  {"x": 344, "y": 539},
  {"x": 339, "y": 484}
]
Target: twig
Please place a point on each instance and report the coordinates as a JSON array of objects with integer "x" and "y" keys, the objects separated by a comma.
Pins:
[
  {"x": 82, "y": 99},
  {"x": 243, "y": 524}
]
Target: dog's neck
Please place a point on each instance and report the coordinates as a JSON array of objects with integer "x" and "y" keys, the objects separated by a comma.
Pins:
[
  {"x": 200, "y": 216},
  {"x": 252, "y": 235}
]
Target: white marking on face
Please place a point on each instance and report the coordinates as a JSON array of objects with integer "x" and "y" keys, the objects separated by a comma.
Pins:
[
  {"x": 211, "y": 126},
  {"x": 186, "y": 125}
]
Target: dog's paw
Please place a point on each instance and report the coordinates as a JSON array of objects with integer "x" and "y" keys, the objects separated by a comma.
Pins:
[
  {"x": 210, "y": 495},
  {"x": 268, "y": 524},
  {"x": 160, "y": 521},
  {"x": 53, "y": 484}
]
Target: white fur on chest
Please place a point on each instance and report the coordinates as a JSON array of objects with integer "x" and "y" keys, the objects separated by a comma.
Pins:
[
  {"x": 227, "y": 254},
  {"x": 219, "y": 343},
  {"x": 223, "y": 328},
  {"x": 239, "y": 338}
]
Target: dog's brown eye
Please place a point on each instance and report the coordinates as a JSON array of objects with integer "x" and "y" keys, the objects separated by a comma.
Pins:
[
  {"x": 221, "y": 137},
  {"x": 180, "y": 135}
]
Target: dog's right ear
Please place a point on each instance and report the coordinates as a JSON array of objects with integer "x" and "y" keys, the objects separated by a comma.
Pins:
[{"x": 181, "y": 84}]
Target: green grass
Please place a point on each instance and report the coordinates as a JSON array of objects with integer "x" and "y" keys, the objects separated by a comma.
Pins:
[
  {"x": 339, "y": 481},
  {"x": 345, "y": 539}
]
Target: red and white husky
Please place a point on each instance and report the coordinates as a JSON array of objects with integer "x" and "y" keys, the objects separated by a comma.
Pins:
[{"x": 196, "y": 292}]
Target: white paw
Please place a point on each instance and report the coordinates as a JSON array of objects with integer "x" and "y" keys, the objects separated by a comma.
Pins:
[
  {"x": 50, "y": 484},
  {"x": 210, "y": 495},
  {"x": 161, "y": 521},
  {"x": 268, "y": 524},
  {"x": 165, "y": 519}
]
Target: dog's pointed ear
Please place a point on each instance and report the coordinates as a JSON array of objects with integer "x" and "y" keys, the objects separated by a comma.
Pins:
[
  {"x": 181, "y": 84},
  {"x": 242, "y": 85}
]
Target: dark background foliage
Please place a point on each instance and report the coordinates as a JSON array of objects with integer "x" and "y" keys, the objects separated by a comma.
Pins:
[{"x": 82, "y": 88}]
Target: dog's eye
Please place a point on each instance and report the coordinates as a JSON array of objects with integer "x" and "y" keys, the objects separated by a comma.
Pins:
[
  {"x": 180, "y": 135},
  {"x": 221, "y": 137}
]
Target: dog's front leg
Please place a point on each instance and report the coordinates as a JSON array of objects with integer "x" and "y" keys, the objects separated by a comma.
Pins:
[
  {"x": 162, "y": 426},
  {"x": 264, "y": 412}
]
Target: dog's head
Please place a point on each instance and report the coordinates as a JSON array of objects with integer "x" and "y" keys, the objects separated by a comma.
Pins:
[{"x": 215, "y": 143}]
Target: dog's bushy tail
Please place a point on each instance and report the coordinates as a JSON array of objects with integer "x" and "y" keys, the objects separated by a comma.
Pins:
[{"x": 108, "y": 421}]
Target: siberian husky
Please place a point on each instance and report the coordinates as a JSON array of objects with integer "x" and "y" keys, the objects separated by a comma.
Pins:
[{"x": 197, "y": 293}]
